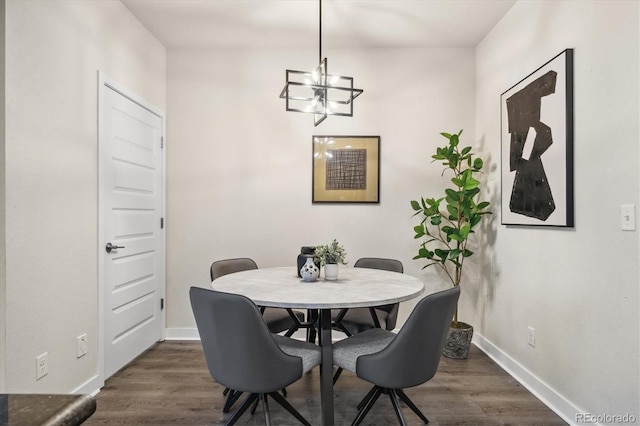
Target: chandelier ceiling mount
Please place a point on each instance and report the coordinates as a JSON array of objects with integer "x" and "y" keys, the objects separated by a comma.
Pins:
[{"x": 317, "y": 92}]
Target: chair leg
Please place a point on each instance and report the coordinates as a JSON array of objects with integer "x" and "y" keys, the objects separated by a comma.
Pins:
[
  {"x": 311, "y": 335},
  {"x": 232, "y": 397},
  {"x": 312, "y": 320},
  {"x": 411, "y": 405},
  {"x": 365, "y": 409},
  {"x": 285, "y": 404},
  {"x": 366, "y": 398},
  {"x": 393, "y": 396},
  {"x": 241, "y": 409},
  {"x": 265, "y": 408},
  {"x": 337, "y": 375},
  {"x": 254, "y": 406}
]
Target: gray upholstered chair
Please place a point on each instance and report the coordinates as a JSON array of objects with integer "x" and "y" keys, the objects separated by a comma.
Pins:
[
  {"x": 394, "y": 362},
  {"x": 356, "y": 320},
  {"x": 277, "y": 319},
  {"x": 260, "y": 362},
  {"x": 353, "y": 321}
]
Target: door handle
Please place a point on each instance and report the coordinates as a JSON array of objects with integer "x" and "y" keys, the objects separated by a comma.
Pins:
[{"x": 110, "y": 247}]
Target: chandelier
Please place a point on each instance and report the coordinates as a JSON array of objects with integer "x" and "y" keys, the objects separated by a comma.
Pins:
[{"x": 317, "y": 92}]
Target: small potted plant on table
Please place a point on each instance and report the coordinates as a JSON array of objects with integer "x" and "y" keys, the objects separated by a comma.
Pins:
[{"x": 330, "y": 256}]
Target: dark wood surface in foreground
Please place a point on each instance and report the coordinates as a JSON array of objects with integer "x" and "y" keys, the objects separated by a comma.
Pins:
[{"x": 170, "y": 385}]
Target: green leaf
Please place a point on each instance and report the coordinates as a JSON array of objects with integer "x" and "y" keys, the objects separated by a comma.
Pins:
[
  {"x": 471, "y": 183},
  {"x": 451, "y": 194},
  {"x": 483, "y": 205},
  {"x": 424, "y": 253},
  {"x": 457, "y": 182},
  {"x": 446, "y": 135},
  {"x": 464, "y": 230},
  {"x": 466, "y": 150},
  {"x": 478, "y": 163},
  {"x": 415, "y": 205},
  {"x": 467, "y": 253},
  {"x": 454, "y": 254},
  {"x": 442, "y": 254},
  {"x": 455, "y": 237},
  {"x": 454, "y": 140}
]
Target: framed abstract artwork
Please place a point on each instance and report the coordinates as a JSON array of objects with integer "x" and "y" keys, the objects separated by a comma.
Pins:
[
  {"x": 346, "y": 169},
  {"x": 537, "y": 146}
]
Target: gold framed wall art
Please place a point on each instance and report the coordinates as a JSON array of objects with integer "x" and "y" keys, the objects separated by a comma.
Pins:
[{"x": 346, "y": 169}]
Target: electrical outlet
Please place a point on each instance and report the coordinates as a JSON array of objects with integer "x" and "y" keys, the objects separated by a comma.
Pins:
[
  {"x": 82, "y": 346},
  {"x": 42, "y": 365},
  {"x": 532, "y": 337}
]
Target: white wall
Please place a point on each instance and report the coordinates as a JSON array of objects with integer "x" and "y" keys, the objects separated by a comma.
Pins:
[
  {"x": 2, "y": 196},
  {"x": 53, "y": 52},
  {"x": 577, "y": 287},
  {"x": 239, "y": 165}
]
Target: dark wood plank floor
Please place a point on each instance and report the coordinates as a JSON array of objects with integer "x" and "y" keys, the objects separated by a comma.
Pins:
[{"x": 170, "y": 385}]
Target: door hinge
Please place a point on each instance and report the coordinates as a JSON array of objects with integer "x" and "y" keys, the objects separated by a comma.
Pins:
[
  {"x": 162, "y": 304},
  {"x": 162, "y": 223},
  {"x": 161, "y": 141}
]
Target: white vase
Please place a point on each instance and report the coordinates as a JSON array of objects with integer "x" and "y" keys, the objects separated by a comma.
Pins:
[
  {"x": 309, "y": 271},
  {"x": 331, "y": 271}
]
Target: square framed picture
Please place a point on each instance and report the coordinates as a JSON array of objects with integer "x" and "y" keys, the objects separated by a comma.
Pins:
[
  {"x": 346, "y": 169},
  {"x": 537, "y": 146}
]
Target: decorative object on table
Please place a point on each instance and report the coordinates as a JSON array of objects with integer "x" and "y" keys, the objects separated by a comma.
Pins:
[
  {"x": 306, "y": 252},
  {"x": 330, "y": 257},
  {"x": 317, "y": 92},
  {"x": 537, "y": 146},
  {"x": 309, "y": 271},
  {"x": 346, "y": 169},
  {"x": 446, "y": 230}
]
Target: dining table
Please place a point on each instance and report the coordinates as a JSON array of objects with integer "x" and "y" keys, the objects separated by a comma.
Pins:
[{"x": 280, "y": 287}]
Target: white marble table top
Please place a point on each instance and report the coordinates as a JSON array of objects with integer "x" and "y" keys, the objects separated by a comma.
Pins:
[{"x": 356, "y": 287}]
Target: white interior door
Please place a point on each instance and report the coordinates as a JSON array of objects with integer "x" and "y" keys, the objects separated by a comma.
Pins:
[{"x": 131, "y": 210}]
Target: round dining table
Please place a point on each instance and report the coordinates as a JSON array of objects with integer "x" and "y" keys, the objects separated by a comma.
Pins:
[{"x": 281, "y": 287}]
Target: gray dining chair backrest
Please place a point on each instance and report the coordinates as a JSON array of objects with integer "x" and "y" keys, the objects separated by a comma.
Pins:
[
  {"x": 413, "y": 355},
  {"x": 240, "y": 351},
  {"x": 229, "y": 266},
  {"x": 379, "y": 263},
  {"x": 384, "y": 264}
]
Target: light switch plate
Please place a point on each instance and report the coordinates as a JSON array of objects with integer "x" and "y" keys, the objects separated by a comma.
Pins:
[{"x": 628, "y": 217}]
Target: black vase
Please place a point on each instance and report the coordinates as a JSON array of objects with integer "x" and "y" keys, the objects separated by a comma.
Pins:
[{"x": 307, "y": 252}]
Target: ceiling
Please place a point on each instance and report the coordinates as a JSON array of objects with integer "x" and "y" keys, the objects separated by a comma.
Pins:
[{"x": 294, "y": 23}]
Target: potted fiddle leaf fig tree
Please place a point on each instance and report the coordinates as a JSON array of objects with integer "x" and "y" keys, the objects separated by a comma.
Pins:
[{"x": 446, "y": 224}]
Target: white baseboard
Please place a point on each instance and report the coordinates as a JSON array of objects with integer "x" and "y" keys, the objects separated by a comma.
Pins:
[
  {"x": 182, "y": 334},
  {"x": 90, "y": 387},
  {"x": 549, "y": 396}
]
